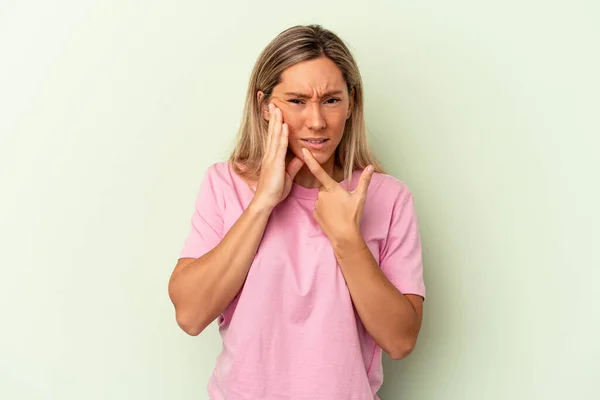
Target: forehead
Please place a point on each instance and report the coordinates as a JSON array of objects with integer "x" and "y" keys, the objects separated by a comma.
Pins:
[{"x": 317, "y": 75}]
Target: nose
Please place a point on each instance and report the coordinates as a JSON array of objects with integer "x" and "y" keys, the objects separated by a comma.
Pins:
[{"x": 315, "y": 118}]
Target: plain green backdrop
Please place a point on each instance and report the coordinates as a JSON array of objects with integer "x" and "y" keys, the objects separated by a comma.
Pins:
[{"x": 112, "y": 110}]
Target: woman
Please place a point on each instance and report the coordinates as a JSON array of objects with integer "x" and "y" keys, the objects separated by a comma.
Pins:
[{"x": 306, "y": 252}]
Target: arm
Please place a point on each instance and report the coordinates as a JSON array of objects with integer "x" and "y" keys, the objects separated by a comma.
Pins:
[
  {"x": 391, "y": 318},
  {"x": 202, "y": 288}
]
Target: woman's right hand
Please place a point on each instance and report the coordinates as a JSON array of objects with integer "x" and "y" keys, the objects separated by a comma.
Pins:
[{"x": 275, "y": 181}]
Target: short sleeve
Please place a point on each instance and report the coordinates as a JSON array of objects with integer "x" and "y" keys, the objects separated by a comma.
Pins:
[
  {"x": 206, "y": 229},
  {"x": 401, "y": 256}
]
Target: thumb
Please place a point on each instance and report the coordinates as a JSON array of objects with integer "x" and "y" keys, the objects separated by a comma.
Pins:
[
  {"x": 294, "y": 167},
  {"x": 365, "y": 180}
]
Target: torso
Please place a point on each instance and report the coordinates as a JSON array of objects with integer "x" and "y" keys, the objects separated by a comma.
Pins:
[{"x": 292, "y": 331}]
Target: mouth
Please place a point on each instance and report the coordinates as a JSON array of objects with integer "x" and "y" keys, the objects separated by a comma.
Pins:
[{"x": 315, "y": 144}]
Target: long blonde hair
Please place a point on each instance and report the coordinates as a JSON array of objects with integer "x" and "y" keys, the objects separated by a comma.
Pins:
[{"x": 292, "y": 46}]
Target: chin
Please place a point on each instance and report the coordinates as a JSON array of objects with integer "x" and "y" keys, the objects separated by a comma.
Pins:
[{"x": 320, "y": 156}]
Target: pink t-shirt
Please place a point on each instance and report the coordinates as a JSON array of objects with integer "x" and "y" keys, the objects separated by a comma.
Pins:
[{"x": 292, "y": 331}]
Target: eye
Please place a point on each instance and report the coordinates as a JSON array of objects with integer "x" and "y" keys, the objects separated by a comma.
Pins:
[
  {"x": 333, "y": 100},
  {"x": 295, "y": 101}
]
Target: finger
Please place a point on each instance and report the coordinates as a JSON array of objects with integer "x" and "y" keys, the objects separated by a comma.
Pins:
[
  {"x": 327, "y": 182},
  {"x": 270, "y": 128},
  {"x": 294, "y": 167},
  {"x": 283, "y": 143},
  {"x": 363, "y": 183},
  {"x": 276, "y": 134}
]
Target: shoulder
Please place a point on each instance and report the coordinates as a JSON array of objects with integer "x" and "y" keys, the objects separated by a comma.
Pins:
[
  {"x": 388, "y": 205},
  {"x": 215, "y": 182},
  {"x": 224, "y": 173},
  {"x": 389, "y": 187},
  {"x": 218, "y": 170},
  {"x": 219, "y": 174}
]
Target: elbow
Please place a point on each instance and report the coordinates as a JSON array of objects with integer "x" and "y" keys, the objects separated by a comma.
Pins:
[
  {"x": 190, "y": 329},
  {"x": 188, "y": 321},
  {"x": 193, "y": 326},
  {"x": 401, "y": 349}
]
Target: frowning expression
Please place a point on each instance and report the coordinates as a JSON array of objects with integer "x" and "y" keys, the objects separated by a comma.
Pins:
[{"x": 315, "y": 103}]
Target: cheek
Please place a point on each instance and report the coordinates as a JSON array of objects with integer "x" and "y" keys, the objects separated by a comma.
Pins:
[
  {"x": 336, "y": 121},
  {"x": 296, "y": 119},
  {"x": 289, "y": 115},
  {"x": 335, "y": 118},
  {"x": 294, "y": 122}
]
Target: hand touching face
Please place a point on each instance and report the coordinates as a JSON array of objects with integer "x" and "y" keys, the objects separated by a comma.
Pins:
[
  {"x": 276, "y": 178},
  {"x": 338, "y": 211},
  {"x": 315, "y": 104}
]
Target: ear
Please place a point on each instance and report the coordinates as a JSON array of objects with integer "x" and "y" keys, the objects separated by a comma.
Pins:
[{"x": 264, "y": 106}]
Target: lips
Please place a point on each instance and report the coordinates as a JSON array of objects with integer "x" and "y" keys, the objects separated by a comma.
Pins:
[
  {"x": 316, "y": 140},
  {"x": 315, "y": 143}
]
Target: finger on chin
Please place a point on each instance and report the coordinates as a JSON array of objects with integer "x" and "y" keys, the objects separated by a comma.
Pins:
[
  {"x": 307, "y": 154},
  {"x": 309, "y": 159}
]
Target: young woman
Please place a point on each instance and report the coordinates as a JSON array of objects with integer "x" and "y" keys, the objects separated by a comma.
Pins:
[{"x": 303, "y": 249}]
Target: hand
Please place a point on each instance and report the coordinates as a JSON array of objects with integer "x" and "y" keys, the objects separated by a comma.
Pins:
[
  {"x": 275, "y": 181},
  {"x": 338, "y": 211}
]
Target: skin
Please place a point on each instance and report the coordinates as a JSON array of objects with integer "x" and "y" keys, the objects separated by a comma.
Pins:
[
  {"x": 314, "y": 102},
  {"x": 392, "y": 319},
  {"x": 201, "y": 289}
]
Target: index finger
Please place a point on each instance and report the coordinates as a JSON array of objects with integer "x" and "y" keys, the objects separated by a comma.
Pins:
[{"x": 327, "y": 181}]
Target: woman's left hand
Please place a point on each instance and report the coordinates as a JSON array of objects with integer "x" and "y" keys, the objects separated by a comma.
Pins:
[{"x": 338, "y": 211}]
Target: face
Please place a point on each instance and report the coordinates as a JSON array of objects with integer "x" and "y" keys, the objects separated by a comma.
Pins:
[{"x": 315, "y": 103}]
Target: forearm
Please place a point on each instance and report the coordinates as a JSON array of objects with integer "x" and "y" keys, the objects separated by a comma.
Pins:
[
  {"x": 387, "y": 314},
  {"x": 203, "y": 289}
]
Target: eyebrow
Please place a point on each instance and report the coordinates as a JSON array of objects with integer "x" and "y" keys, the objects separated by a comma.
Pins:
[{"x": 306, "y": 96}]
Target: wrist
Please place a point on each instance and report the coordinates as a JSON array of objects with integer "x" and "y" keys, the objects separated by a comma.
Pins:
[
  {"x": 259, "y": 207},
  {"x": 348, "y": 244}
]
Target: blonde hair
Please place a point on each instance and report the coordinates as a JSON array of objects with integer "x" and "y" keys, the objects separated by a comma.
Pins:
[{"x": 294, "y": 45}]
